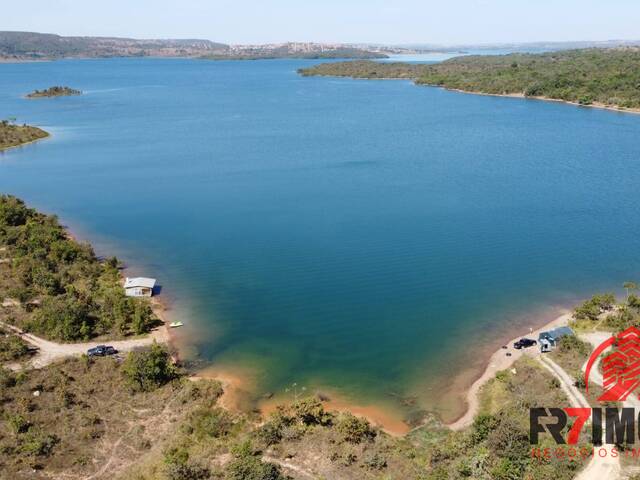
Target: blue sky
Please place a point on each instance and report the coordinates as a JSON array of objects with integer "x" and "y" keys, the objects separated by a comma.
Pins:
[{"x": 398, "y": 21}]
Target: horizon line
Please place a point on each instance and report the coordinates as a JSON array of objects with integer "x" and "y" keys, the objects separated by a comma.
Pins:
[{"x": 361, "y": 43}]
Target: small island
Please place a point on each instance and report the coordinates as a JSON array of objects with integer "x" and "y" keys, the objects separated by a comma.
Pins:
[
  {"x": 12, "y": 135},
  {"x": 57, "y": 91}
]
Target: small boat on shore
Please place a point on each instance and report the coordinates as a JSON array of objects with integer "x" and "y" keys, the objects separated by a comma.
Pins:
[{"x": 175, "y": 324}]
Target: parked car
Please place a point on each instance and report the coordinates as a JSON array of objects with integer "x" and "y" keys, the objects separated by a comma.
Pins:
[
  {"x": 524, "y": 343},
  {"x": 101, "y": 351}
]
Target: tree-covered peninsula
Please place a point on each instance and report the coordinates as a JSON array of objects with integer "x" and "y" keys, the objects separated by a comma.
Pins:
[
  {"x": 57, "y": 91},
  {"x": 12, "y": 135},
  {"x": 602, "y": 77},
  {"x": 57, "y": 288}
]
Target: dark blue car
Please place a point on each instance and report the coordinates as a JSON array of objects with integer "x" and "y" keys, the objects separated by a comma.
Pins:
[
  {"x": 524, "y": 343},
  {"x": 101, "y": 351}
]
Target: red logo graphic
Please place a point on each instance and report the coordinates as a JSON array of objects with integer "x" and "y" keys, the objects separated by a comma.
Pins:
[{"x": 621, "y": 368}]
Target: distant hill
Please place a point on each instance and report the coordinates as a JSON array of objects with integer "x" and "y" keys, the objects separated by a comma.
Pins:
[
  {"x": 526, "y": 47},
  {"x": 308, "y": 50},
  {"x": 36, "y": 46},
  {"x": 46, "y": 46}
]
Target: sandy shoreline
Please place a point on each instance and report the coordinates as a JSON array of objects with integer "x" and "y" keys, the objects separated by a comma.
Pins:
[
  {"x": 499, "y": 361},
  {"x": 238, "y": 384},
  {"x": 164, "y": 332},
  {"x": 521, "y": 96},
  {"x": 598, "y": 105},
  {"x": 377, "y": 415}
]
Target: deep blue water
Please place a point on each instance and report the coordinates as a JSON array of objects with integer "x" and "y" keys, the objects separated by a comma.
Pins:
[{"x": 360, "y": 236}]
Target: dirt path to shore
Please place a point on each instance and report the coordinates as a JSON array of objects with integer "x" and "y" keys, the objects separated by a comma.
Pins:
[
  {"x": 49, "y": 352},
  {"x": 599, "y": 467},
  {"x": 607, "y": 467},
  {"x": 500, "y": 360}
]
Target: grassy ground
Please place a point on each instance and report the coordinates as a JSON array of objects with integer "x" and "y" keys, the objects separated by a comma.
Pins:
[
  {"x": 510, "y": 394},
  {"x": 13, "y": 135},
  {"x": 79, "y": 417},
  {"x": 571, "y": 354},
  {"x": 83, "y": 421}
]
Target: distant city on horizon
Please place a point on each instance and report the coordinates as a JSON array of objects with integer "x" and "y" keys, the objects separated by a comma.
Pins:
[{"x": 19, "y": 45}]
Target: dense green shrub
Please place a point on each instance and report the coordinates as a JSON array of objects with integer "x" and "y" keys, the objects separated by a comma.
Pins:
[
  {"x": 309, "y": 411},
  {"x": 13, "y": 211},
  {"x": 12, "y": 347},
  {"x": 592, "y": 308},
  {"x": 37, "y": 443},
  {"x": 483, "y": 424},
  {"x": 353, "y": 429},
  {"x": 148, "y": 369},
  {"x": 624, "y": 318},
  {"x": 572, "y": 343},
  {"x": 65, "y": 317},
  {"x": 270, "y": 433}
]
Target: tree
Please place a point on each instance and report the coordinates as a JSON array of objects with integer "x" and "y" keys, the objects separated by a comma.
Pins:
[
  {"x": 593, "y": 307},
  {"x": 309, "y": 411},
  {"x": 13, "y": 211},
  {"x": 141, "y": 314},
  {"x": 628, "y": 286},
  {"x": 354, "y": 429},
  {"x": 65, "y": 317},
  {"x": 149, "y": 369}
]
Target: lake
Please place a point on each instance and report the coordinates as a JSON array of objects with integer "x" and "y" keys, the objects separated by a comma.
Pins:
[{"x": 372, "y": 239}]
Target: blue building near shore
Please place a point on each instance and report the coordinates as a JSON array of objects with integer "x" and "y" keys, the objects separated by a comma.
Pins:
[{"x": 549, "y": 340}]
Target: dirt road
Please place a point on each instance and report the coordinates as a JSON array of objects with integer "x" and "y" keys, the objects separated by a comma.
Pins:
[
  {"x": 49, "y": 352},
  {"x": 598, "y": 467}
]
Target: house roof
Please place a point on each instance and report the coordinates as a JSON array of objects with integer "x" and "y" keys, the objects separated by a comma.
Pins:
[
  {"x": 139, "y": 282},
  {"x": 556, "y": 333}
]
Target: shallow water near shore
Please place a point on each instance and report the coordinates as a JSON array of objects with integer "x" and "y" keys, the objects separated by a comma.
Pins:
[{"x": 371, "y": 239}]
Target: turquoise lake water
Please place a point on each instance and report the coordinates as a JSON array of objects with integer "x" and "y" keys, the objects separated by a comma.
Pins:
[{"x": 372, "y": 238}]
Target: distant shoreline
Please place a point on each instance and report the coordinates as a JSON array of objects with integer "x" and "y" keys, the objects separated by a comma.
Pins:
[{"x": 520, "y": 96}]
